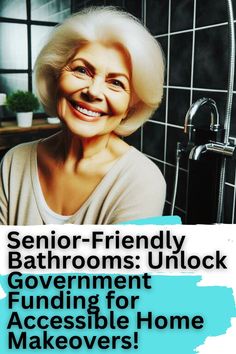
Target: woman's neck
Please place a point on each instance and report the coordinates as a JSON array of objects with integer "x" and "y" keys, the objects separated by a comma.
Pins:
[{"x": 73, "y": 148}]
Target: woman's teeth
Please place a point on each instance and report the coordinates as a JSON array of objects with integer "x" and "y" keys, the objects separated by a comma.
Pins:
[{"x": 87, "y": 112}]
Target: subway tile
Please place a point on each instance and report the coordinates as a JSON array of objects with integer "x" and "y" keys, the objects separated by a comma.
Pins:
[
  {"x": 167, "y": 209},
  {"x": 230, "y": 170},
  {"x": 134, "y": 7},
  {"x": 178, "y": 106},
  {"x": 235, "y": 32},
  {"x": 181, "y": 187},
  {"x": 211, "y": 58},
  {"x": 233, "y": 118},
  {"x": 181, "y": 15},
  {"x": 119, "y": 3},
  {"x": 153, "y": 139},
  {"x": 228, "y": 204},
  {"x": 234, "y": 221},
  {"x": 209, "y": 13},
  {"x": 134, "y": 139},
  {"x": 88, "y": 3},
  {"x": 77, "y": 5},
  {"x": 181, "y": 214},
  {"x": 160, "y": 113},
  {"x": 180, "y": 59},
  {"x": 175, "y": 135},
  {"x": 157, "y": 16},
  {"x": 163, "y": 41}
]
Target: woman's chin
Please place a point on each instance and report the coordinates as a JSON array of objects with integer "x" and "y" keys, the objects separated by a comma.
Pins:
[{"x": 83, "y": 130}]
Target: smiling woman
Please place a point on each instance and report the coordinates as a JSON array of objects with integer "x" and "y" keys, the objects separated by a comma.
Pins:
[
  {"x": 101, "y": 73},
  {"x": 95, "y": 88}
]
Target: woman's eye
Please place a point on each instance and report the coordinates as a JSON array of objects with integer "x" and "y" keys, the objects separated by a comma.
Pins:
[
  {"x": 117, "y": 83},
  {"x": 82, "y": 70}
]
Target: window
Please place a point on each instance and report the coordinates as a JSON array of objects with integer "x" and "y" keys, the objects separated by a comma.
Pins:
[{"x": 24, "y": 24}]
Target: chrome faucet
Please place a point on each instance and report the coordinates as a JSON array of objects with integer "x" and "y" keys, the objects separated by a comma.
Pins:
[
  {"x": 227, "y": 150},
  {"x": 188, "y": 124}
]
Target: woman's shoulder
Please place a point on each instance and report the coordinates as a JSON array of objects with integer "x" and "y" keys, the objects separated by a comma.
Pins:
[
  {"x": 20, "y": 152},
  {"x": 141, "y": 164}
]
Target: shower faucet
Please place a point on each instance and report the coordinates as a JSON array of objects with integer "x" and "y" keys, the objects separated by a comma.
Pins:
[
  {"x": 189, "y": 127},
  {"x": 214, "y": 143},
  {"x": 205, "y": 150},
  {"x": 227, "y": 150}
]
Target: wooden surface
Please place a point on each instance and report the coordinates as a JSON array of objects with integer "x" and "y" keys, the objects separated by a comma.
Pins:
[
  {"x": 12, "y": 135},
  {"x": 38, "y": 124}
]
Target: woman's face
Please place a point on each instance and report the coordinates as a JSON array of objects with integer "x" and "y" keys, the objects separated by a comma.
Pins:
[{"x": 94, "y": 90}]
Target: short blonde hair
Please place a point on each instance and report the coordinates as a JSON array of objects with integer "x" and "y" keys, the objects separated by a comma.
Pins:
[{"x": 109, "y": 26}]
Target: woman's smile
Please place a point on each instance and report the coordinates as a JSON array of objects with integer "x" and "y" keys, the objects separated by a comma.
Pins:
[{"x": 85, "y": 112}]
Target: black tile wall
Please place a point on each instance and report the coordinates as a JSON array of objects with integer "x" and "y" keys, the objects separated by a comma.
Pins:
[
  {"x": 173, "y": 136},
  {"x": 211, "y": 58},
  {"x": 157, "y": 16},
  {"x": 178, "y": 105},
  {"x": 164, "y": 45},
  {"x": 233, "y": 121},
  {"x": 180, "y": 213},
  {"x": 209, "y": 13},
  {"x": 135, "y": 139},
  {"x": 184, "y": 10},
  {"x": 77, "y": 5},
  {"x": 230, "y": 171},
  {"x": 134, "y": 7},
  {"x": 187, "y": 79},
  {"x": 235, "y": 32},
  {"x": 177, "y": 211},
  {"x": 180, "y": 59},
  {"x": 191, "y": 73},
  {"x": 170, "y": 176},
  {"x": 159, "y": 115},
  {"x": 228, "y": 202},
  {"x": 167, "y": 208},
  {"x": 119, "y": 3},
  {"x": 153, "y": 140}
]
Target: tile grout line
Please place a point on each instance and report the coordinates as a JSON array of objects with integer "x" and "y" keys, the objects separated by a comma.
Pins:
[
  {"x": 230, "y": 184},
  {"x": 191, "y": 29},
  {"x": 197, "y": 89},
  {"x": 166, "y": 124},
  {"x": 178, "y": 208},
  {"x": 144, "y": 13},
  {"x": 167, "y": 85},
  {"x": 165, "y": 163},
  {"x": 193, "y": 52}
]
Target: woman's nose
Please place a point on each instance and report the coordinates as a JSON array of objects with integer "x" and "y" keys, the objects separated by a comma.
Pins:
[{"x": 94, "y": 90}]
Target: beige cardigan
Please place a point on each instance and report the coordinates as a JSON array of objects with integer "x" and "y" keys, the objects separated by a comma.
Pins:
[{"x": 133, "y": 188}]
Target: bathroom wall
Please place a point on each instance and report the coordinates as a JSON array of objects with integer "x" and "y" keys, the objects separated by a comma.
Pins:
[{"x": 194, "y": 37}]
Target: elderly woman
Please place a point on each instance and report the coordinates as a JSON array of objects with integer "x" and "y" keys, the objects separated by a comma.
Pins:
[{"x": 101, "y": 73}]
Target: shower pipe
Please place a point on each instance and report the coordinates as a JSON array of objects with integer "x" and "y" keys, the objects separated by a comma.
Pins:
[
  {"x": 228, "y": 103},
  {"x": 178, "y": 155}
]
